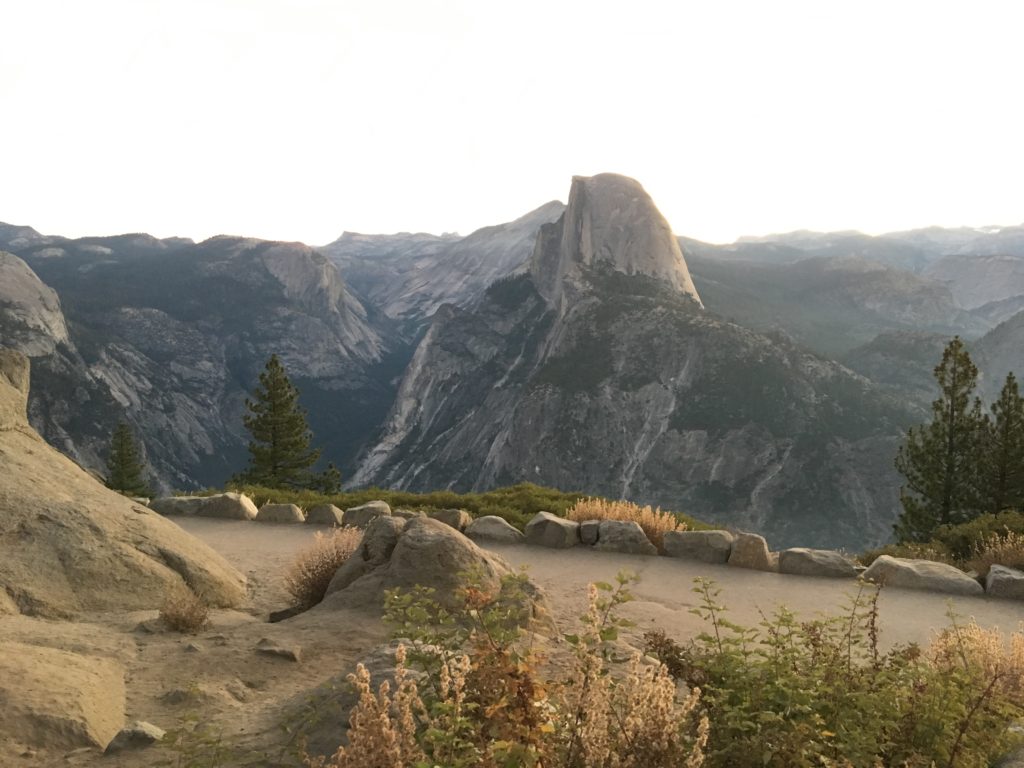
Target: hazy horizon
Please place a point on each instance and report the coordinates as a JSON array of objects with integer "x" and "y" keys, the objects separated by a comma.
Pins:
[{"x": 300, "y": 120}]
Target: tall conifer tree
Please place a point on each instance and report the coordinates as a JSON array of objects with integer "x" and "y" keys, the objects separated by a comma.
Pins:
[
  {"x": 940, "y": 460},
  {"x": 1001, "y": 476},
  {"x": 124, "y": 466},
  {"x": 279, "y": 453}
]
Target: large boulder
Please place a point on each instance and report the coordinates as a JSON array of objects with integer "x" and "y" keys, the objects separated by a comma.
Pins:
[
  {"x": 325, "y": 514},
  {"x": 374, "y": 550},
  {"x": 459, "y": 519},
  {"x": 280, "y": 513},
  {"x": 624, "y": 536},
  {"x": 221, "y": 506},
  {"x": 705, "y": 546},
  {"x": 590, "y": 530},
  {"x": 137, "y": 735},
  {"x": 59, "y": 700},
  {"x": 751, "y": 551},
  {"x": 428, "y": 553},
  {"x": 1004, "y": 582},
  {"x": 547, "y": 530},
  {"x": 494, "y": 528},
  {"x": 921, "y": 574},
  {"x": 79, "y": 546},
  {"x": 816, "y": 562},
  {"x": 360, "y": 517}
]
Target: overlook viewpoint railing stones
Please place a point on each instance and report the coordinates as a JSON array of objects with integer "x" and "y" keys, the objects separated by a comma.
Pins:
[{"x": 717, "y": 547}]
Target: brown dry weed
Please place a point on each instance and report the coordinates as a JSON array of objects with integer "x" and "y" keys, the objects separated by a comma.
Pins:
[
  {"x": 654, "y": 522},
  {"x": 311, "y": 572}
]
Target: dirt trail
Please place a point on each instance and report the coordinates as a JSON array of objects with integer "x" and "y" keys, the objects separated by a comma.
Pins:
[{"x": 662, "y": 595}]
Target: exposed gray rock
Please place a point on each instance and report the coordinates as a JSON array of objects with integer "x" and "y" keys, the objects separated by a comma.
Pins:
[
  {"x": 590, "y": 531},
  {"x": 458, "y": 519},
  {"x": 270, "y": 647},
  {"x": 137, "y": 735},
  {"x": 31, "y": 319},
  {"x": 624, "y": 536},
  {"x": 816, "y": 562},
  {"x": 432, "y": 554},
  {"x": 610, "y": 224},
  {"x": 59, "y": 700},
  {"x": 921, "y": 574},
  {"x": 227, "y": 506},
  {"x": 1004, "y": 582},
  {"x": 600, "y": 357},
  {"x": 378, "y": 543},
  {"x": 80, "y": 546},
  {"x": 223, "y": 506},
  {"x": 706, "y": 546},
  {"x": 494, "y": 528},
  {"x": 751, "y": 551},
  {"x": 547, "y": 530},
  {"x": 408, "y": 514},
  {"x": 280, "y": 513},
  {"x": 176, "y": 505},
  {"x": 359, "y": 517},
  {"x": 325, "y": 514}
]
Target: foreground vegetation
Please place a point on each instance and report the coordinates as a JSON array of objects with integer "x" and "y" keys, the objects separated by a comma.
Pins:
[
  {"x": 972, "y": 546},
  {"x": 470, "y": 691}
]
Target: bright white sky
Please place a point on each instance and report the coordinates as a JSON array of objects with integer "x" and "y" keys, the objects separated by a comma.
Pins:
[{"x": 298, "y": 119}]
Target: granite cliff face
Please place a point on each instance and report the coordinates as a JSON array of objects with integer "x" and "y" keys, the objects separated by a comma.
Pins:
[
  {"x": 409, "y": 276},
  {"x": 599, "y": 369},
  {"x": 30, "y": 314},
  {"x": 171, "y": 335}
]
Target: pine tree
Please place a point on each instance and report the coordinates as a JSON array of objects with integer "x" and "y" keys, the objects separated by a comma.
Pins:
[
  {"x": 279, "y": 453},
  {"x": 940, "y": 460},
  {"x": 1001, "y": 475},
  {"x": 124, "y": 466}
]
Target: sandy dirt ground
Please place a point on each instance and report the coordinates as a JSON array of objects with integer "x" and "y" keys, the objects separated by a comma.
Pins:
[{"x": 238, "y": 694}]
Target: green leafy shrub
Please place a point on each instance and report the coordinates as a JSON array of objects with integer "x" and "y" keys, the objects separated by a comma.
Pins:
[
  {"x": 822, "y": 693},
  {"x": 964, "y": 539}
]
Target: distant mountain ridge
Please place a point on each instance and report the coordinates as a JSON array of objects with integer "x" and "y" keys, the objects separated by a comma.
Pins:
[{"x": 568, "y": 347}]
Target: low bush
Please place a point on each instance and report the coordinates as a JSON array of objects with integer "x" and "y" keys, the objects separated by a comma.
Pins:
[
  {"x": 933, "y": 550},
  {"x": 184, "y": 611},
  {"x": 964, "y": 539},
  {"x": 999, "y": 549},
  {"x": 822, "y": 692},
  {"x": 478, "y": 699},
  {"x": 654, "y": 522},
  {"x": 309, "y": 575}
]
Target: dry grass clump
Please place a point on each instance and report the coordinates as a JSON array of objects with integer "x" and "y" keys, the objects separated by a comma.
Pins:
[
  {"x": 480, "y": 702},
  {"x": 311, "y": 572},
  {"x": 654, "y": 522},
  {"x": 184, "y": 611},
  {"x": 998, "y": 549}
]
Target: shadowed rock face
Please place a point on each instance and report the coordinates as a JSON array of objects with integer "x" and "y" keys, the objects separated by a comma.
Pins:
[
  {"x": 600, "y": 370},
  {"x": 171, "y": 335},
  {"x": 68, "y": 545}
]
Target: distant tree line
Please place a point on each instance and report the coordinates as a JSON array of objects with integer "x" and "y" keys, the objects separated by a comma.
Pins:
[{"x": 966, "y": 462}]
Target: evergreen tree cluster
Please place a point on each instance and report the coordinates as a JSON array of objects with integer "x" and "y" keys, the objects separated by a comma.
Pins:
[
  {"x": 124, "y": 464},
  {"x": 966, "y": 462},
  {"x": 280, "y": 452}
]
